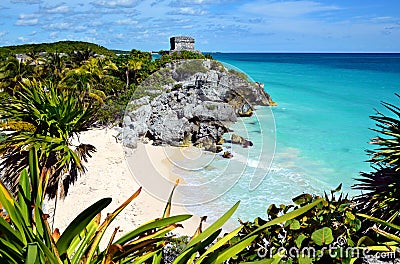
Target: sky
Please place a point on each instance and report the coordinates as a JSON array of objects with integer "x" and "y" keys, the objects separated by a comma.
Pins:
[{"x": 216, "y": 25}]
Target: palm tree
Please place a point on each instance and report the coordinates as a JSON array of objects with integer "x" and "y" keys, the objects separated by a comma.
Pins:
[
  {"x": 12, "y": 73},
  {"x": 79, "y": 57},
  {"x": 54, "y": 66},
  {"x": 87, "y": 78},
  {"x": 131, "y": 66},
  {"x": 381, "y": 198},
  {"x": 44, "y": 116}
]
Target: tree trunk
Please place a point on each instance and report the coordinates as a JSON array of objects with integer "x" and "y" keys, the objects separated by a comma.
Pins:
[{"x": 127, "y": 79}]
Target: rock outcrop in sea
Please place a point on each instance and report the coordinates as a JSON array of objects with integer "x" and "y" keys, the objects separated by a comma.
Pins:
[{"x": 191, "y": 102}]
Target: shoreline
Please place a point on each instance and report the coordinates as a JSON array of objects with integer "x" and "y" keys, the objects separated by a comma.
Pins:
[{"x": 108, "y": 175}]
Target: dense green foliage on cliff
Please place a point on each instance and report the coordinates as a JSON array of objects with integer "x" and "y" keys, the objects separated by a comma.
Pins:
[
  {"x": 77, "y": 65},
  {"x": 59, "y": 47}
]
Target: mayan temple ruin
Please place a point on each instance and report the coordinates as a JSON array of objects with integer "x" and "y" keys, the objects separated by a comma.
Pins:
[{"x": 180, "y": 43}]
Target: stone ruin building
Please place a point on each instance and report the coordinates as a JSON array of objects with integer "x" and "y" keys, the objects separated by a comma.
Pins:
[{"x": 180, "y": 43}]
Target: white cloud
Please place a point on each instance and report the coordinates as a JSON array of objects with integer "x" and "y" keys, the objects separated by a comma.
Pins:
[
  {"x": 96, "y": 23},
  {"x": 22, "y": 39},
  {"x": 193, "y": 2},
  {"x": 27, "y": 1},
  {"x": 57, "y": 26},
  {"x": 33, "y": 33},
  {"x": 115, "y": 3},
  {"x": 127, "y": 21},
  {"x": 3, "y": 33},
  {"x": 93, "y": 32},
  {"x": 189, "y": 11},
  {"x": 60, "y": 9},
  {"x": 79, "y": 28},
  {"x": 286, "y": 8},
  {"x": 383, "y": 18},
  {"x": 28, "y": 16},
  {"x": 53, "y": 35},
  {"x": 27, "y": 22}
]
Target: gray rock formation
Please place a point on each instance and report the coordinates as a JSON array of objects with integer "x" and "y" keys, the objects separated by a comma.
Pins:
[
  {"x": 236, "y": 139},
  {"x": 191, "y": 102}
]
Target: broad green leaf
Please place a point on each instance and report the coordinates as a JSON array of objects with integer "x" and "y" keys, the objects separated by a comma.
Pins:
[
  {"x": 152, "y": 225},
  {"x": 214, "y": 227},
  {"x": 24, "y": 197},
  {"x": 234, "y": 250},
  {"x": 350, "y": 216},
  {"x": 294, "y": 225},
  {"x": 38, "y": 214},
  {"x": 167, "y": 210},
  {"x": 32, "y": 254},
  {"x": 147, "y": 256},
  {"x": 157, "y": 259},
  {"x": 79, "y": 243},
  {"x": 34, "y": 170},
  {"x": 299, "y": 240},
  {"x": 302, "y": 199},
  {"x": 305, "y": 260},
  {"x": 102, "y": 228},
  {"x": 264, "y": 261},
  {"x": 12, "y": 235},
  {"x": 6, "y": 198},
  {"x": 12, "y": 209},
  {"x": 365, "y": 241},
  {"x": 278, "y": 256},
  {"x": 384, "y": 248},
  {"x": 144, "y": 247},
  {"x": 80, "y": 223},
  {"x": 50, "y": 256},
  {"x": 160, "y": 233},
  {"x": 220, "y": 243},
  {"x": 189, "y": 251},
  {"x": 11, "y": 248},
  {"x": 338, "y": 188},
  {"x": 322, "y": 236}
]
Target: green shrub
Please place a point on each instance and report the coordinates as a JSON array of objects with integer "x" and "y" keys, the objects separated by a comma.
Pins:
[
  {"x": 324, "y": 223},
  {"x": 178, "y": 86},
  {"x": 188, "y": 68},
  {"x": 241, "y": 75}
]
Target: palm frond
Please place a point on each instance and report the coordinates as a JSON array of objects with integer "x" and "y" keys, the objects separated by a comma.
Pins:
[
  {"x": 381, "y": 188},
  {"x": 44, "y": 116}
]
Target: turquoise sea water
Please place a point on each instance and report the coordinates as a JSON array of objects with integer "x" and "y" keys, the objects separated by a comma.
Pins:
[{"x": 322, "y": 120}]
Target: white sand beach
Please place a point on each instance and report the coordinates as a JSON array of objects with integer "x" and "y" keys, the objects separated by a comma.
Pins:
[{"x": 108, "y": 175}]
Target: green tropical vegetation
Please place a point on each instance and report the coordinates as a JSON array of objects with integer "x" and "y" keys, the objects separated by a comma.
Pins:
[
  {"x": 45, "y": 116},
  {"x": 49, "y": 98},
  {"x": 26, "y": 236},
  {"x": 381, "y": 198},
  {"x": 57, "y": 47}
]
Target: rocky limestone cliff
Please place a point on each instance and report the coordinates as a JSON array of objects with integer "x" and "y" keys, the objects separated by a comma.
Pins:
[{"x": 190, "y": 102}]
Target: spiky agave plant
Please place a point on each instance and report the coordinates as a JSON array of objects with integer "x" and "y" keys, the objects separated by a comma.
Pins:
[
  {"x": 381, "y": 187},
  {"x": 48, "y": 118}
]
